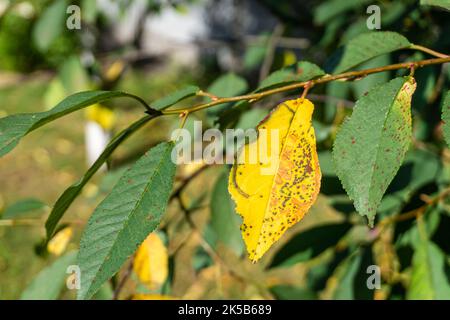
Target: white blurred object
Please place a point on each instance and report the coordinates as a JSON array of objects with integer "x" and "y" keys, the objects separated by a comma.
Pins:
[{"x": 96, "y": 140}]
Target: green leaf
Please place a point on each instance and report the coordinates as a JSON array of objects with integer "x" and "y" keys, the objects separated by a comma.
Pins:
[
  {"x": 228, "y": 85},
  {"x": 14, "y": 127},
  {"x": 285, "y": 292},
  {"x": 309, "y": 244},
  {"x": 50, "y": 25},
  {"x": 371, "y": 144},
  {"x": 69, "y": 195},
  {"x": 446, "y": 117},
  {"x": 175, "y": 97},
  {"x": 330, "y": 9},
  {"x": 362, "y": 86},
  {"x": 300, "y": 72},
  {"x": 22, "y": 208},
  {"x": 125, "y": 217},
  {"x": 48, "y": 283},
  {"x": 428, "y": 277},
  {"x": 365, "y": 47},
  {"x": 89, "y": 10},
  {"x": 344, "y": 275},
  {"x": 437, "y": 3},
  {"x": 224, "y": 220}
]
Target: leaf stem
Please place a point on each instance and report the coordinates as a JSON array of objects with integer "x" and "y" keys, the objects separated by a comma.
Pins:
[
  {"x": 324, "y": 79},
  {"x": 429, "y": 51}
]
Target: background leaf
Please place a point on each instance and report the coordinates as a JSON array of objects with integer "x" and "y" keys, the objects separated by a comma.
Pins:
[
  {"x": 125, "y": 217},
  {"x": 48, "y": 283},
  {"x": 23, "y": 208},
  {"x": 300, "y": 72},
  {"x": 224, "y": 220},
  {"x": 50, "y": 25},
  {"x": 365, "y": 47},
  {"x": 69, "y": 195}
]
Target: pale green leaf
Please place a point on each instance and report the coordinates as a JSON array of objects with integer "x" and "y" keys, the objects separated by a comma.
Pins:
[
  {"x": 428, "y": 277},
  {"x": 125, "y": 217},
  {"x": 50, "y": 25},
  {"x": 22, "y": 208},
  {"x": 47, "y": 285},
  {"x": 300, "y": 72},
  {"x": 365, "y": 47},
  {"x": 437, "y": 3},
  {"x": 371, "y": 144}
]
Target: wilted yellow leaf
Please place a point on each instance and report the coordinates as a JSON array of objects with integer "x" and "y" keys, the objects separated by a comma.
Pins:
[
  {"x": 151, "y": 262},
  {"x": 275, "y": 194},
  {"x": 59, "y": 242}
]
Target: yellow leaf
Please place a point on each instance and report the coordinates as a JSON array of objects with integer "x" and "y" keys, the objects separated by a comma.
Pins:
[
  {"x": 114, "y": 71},
  {"x": 102, "y": 115},
  {"x": 59, "y": 242},
  {"x": 275, "y": 194},
  {"x": 151, "y": 262}
]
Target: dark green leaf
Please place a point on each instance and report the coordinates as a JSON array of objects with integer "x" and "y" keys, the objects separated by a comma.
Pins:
[
  {"x": 224, "y": 220},
  {"x": 48, "y": 283},
  {"x": 284, "y": 292},
  {"x": 69, "y": 195},
  {"x": 22, "y": 208},
  {"x": 309, "y": 244},
  {"x": 371, "y": 144},
  {"x": 330, "y": 9},
  {"x": 228, "y": 85},
  {"x": 125, "y": 217},
  {"x": 300, "y": 72},
  {"x": 50, "y": 25},
  {"x": 365, "y": 47},
  {"x": 175, "y": 97},
  {"x": 14, "y": 127},
  {"x": 446, "y": 117}
]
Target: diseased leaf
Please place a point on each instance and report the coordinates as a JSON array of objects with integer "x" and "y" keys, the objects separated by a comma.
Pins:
[
  {"x": 428, "y": 277},
  {"x": 14, "y": 127},
  {"x": 125, "y": 217},
  {"x": 329, "y": 9},
  {"x": 446, "y": 117},
  {"x": 175, "y": 97},
  {"x": 23, "y": 208},
  {"x": 300, "y": 72},
  {"x": 151, "y": 262},
  {"x": 274, "y": 192},
  {"x": 365, "y": 47},
  {"x": 371, "y": 144},
  {"x": 224, "y": 221},
  {"x": 69, "y": 195},
  {"x": 48, "y": 283}
]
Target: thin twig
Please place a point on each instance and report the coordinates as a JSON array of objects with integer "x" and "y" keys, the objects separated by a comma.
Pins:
[
  {"x": 270, "y": 53},
  {"x": 124, "y": 279},
  {"x": 351, "y": 75}
]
